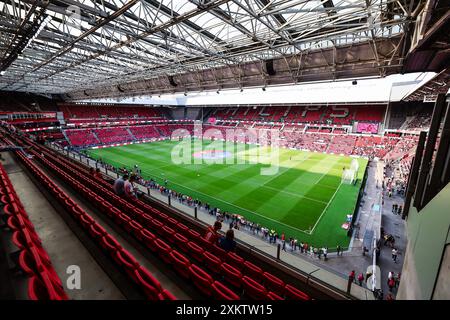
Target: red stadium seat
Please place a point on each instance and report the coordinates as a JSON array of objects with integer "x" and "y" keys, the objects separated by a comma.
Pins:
[
  {"x": 195, "y": 251},
  {"x": 109, "y": 243},
  {"x": 29, "y": 264},
  {"x": 253, "y": 271},
  {"x": 156, "y": 226},
  {"x": 166, "y": 295},
  {"x": 38, "y": 290},
  {"x": 162, "y": 216},
  {"x": 148, "y": 238},
  {"x": 212, "y": 262},
  {"x": 11, "y": 208},
  {"x": 135, "y": 228},
  {"x": 22, "y": 239},
  {"x": 168, "y": 234},
  {"x": 181, "y": 241},
  {"x": 77, "y": 211},
  {"x": 201, "y": 279},
  {"x": 293, "y": 293},
  {"x": 96, "y": 230},
  {"x": 163, "y": 250},
  {"x": 151, "y": 286},
  {"x": 14, "y": 222},
  {"x": 147, "y": 220},
  {"x": 231, "y": 274},
  {"x": 86, "y": 221},
  {"x": 183, "y": 228},
  {"x": 138, "y": 213},
  {"x": 274, "y": 296},
  {"x": 235, "y": 260},
  {"x": 113, "y": 212},
  {"x": 123, "y": 220},
  {"x": 205, "y": 244},
  {"x": 171, "y": 222},
  {"x": 180, "y": 263},
  {"x": 273, "y": 283},
  {"x": 193, "y": 235},
  {"x": 253, "y": 289},
  {"x": 126, "y": 260},
  {"x": 219, "y": 252}
]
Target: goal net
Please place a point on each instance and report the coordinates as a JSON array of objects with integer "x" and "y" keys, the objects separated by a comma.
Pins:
[{"x": 349, "y": 176}]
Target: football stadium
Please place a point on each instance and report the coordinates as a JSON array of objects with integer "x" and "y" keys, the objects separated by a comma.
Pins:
[{"x": 215, "y": 150}]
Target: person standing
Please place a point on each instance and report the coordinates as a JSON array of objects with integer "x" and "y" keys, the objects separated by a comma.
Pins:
[
  {"x": 283, "y": 242},
  {"x": 397, "y": 279},
  {"x": 212, "y": 234},
  {"x": 325, "y": 253},
  {"x": 272, "y": 236},
  {"x": 360, "y": 278},
  {"x": 351, "y": 278},
  {"x": 119, "y": 185},
  {"x": 338, "y": 249},
  {"x": 391, "y": 284},
  {"x": 98, "y": 174},
  {"x": 129, "y": 188},
  {"x": 227, "y": 243},
  {"x": 390, "y": 275}
]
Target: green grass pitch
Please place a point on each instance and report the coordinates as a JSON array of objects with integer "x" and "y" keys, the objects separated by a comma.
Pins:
[{"x": 304, "y": 199}]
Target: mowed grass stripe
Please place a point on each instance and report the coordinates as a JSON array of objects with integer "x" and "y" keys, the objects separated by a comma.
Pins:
[
  {"x": 311, "y": 212},
  {"x": 275, "y": 186},
  {"x": 307, "y": 200}
]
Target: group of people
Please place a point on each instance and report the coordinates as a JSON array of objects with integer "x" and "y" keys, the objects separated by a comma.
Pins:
[
  {"x": 123, "y": 186},
  {"x": 397, "y": 209},
  {"x": 393, "y": 280},
  {"x": 396, "y": 177}
]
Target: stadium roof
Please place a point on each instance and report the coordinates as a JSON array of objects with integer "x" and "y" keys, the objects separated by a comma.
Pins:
[
  {"x": 121, "y": 48},
  {"x": 439, "y": 84}
]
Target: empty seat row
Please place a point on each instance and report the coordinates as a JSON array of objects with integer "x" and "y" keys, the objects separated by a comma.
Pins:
[{"x": 33, "y": 260}]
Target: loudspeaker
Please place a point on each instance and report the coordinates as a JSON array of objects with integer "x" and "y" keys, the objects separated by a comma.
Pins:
[
  {"x": 269, "y": 67},
  {"x": 172, "y": 82}
]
